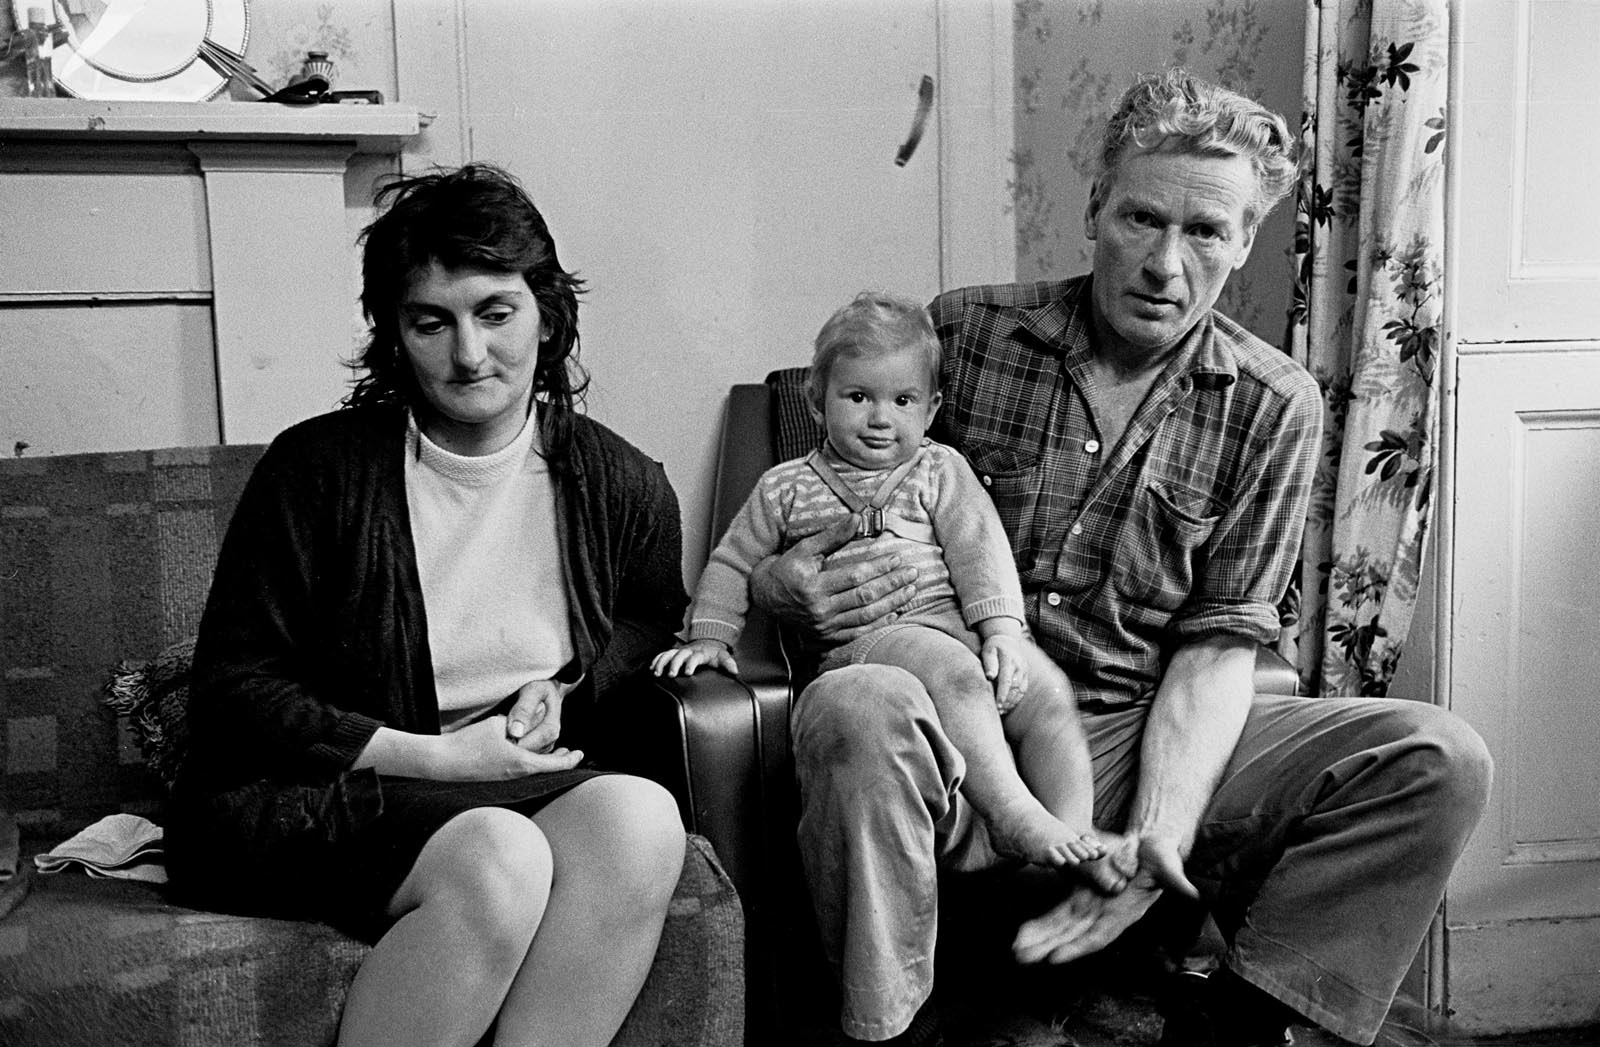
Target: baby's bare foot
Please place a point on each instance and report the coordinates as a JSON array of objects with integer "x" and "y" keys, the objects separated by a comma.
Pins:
[{"x": 1031, "y": 833}]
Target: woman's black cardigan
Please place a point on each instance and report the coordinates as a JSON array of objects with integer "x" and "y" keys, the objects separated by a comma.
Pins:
[{"x": 314, "y": 633}]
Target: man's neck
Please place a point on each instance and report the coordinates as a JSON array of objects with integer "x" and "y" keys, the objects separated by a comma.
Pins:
[
  {"x": 1123, "y": 374},
  {"x": 1117, "y": 361}
]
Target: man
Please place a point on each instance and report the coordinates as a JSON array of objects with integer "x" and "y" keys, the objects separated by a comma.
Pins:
[{"x": 1151, "y": 461}]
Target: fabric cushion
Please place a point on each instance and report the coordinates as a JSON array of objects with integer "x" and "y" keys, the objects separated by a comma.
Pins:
[
  {"x": 154, "y": 698},
  {"x": 108, "y": 557},
  {"x": 795, "y": 431},
  {"x": 114, "y": 962}
]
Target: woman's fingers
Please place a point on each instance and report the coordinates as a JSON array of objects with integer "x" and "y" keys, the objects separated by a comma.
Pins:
[
  {"x": 554, "y": 760},
  {"x": 528, "y": 711}
]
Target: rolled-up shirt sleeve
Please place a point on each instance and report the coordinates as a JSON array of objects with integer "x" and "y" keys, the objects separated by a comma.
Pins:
[{"x": 1247, "y": 561}]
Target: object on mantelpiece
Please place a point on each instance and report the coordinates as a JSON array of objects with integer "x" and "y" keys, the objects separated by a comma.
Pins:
[
  {"x": 317, "y": 65},
  {"x": 40, "y": 44},
  {"x": 146, "y": 50}
]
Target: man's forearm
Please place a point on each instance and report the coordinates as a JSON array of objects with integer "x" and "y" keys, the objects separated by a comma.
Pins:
[{"x": 1195, "y": 722}]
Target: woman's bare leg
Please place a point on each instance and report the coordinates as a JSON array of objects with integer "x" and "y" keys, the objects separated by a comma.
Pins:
[
  {"x": 468, "y": 911},
  {"x": 617, "y": 843}
]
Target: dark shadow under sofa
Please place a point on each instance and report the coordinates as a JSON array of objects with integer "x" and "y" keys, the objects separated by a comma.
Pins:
[{"x": 105, "y": 559}]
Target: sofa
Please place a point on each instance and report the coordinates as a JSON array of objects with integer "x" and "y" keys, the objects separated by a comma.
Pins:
[{"x": 105, "y": 560}]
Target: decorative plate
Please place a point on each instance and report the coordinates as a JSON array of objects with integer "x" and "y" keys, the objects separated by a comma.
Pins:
[{"x": 146, "y": 50}]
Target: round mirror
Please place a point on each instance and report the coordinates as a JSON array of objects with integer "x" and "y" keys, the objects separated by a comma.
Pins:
[{"x": 141, "y": 50}]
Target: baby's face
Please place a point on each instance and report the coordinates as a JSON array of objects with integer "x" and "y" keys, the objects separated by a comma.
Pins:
[{"x": 877, "y": 407}]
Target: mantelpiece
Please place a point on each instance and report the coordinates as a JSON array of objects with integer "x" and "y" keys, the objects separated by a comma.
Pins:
[
  {"x": 175, "y": 260},
  {"x": 359, "y": 128}
]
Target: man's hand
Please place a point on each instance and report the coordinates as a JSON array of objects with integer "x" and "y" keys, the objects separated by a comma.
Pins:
[
  {"x": 833, "y": 605},
  {"x": 534, "y": 722},
  {"x": 1092, "y": 916},
  {"x": 684, "y": 660}
]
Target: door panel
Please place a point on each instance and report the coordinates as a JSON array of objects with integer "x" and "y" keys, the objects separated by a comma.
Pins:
[
  {"x": 723, "y": 175},
  {"x": 1528, "y": 117},
  {"x": 1523, "y": 916}
]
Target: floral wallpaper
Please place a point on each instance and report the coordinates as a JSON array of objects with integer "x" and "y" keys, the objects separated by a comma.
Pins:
[
  {"x": 358, "y": 36},
  {"x": 1073, "y": 60}
]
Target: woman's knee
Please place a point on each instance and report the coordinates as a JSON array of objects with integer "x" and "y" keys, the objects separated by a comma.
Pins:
[
  {"x": 638, "y": 835},
  {"x": 492, "y": 868}
]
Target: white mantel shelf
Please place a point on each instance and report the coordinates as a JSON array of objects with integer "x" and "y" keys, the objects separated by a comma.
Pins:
[{"x": 370, "y": 128}]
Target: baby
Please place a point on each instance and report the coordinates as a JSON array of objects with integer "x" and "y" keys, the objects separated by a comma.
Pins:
[{"x": 874, "y": 386}]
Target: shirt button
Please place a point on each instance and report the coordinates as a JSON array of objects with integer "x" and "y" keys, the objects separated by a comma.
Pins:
[
  {"x": 1077, "y": 528},
  {"x": 1053, "y": 599},
  {"x": 1091, "y": 446},
  {"x": 987, "y": 480}
]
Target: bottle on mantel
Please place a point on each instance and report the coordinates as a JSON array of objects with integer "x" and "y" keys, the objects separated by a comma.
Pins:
[{"x": 41, "y": 43}]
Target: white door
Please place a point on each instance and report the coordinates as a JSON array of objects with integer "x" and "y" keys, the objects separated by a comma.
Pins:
[
  {"x": 724, "y": 175},
  {"x": 1523, "y": 594},
  {"x": 1523, "y": 915}
]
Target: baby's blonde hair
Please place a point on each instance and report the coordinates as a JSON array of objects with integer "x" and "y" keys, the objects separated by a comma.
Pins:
[{"x": 873, "y": 322}]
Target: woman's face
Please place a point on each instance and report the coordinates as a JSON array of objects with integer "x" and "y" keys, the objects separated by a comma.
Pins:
[{"x": 472, "y": 337}]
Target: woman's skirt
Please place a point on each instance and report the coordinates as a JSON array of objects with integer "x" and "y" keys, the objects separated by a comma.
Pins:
[{"x": 382, "y": 854}]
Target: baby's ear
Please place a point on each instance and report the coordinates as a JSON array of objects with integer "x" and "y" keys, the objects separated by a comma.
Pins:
[
  {"x": 934, "y": 403},
  {"x": 816, "y": 412}
]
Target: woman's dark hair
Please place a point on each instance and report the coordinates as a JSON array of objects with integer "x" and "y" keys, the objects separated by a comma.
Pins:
[{"x": 473, "y": 217}]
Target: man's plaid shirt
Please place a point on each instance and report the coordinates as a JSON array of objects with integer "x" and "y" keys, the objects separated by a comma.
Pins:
[{"x": 1187, "y": 529}]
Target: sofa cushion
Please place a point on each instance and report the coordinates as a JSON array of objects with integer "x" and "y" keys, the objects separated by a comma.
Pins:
[
  {"x": 87, "y": 961},
  {"x": 108, "y": 557}
]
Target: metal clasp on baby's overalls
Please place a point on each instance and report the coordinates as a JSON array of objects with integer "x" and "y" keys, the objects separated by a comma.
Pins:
[{"x": 870, "y": 523}]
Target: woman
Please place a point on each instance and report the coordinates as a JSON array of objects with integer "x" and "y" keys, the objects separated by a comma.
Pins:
[{"x": 412, "y": 593}]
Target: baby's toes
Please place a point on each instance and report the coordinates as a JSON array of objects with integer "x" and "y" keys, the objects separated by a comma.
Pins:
[
  {"x": 1061, "y": 855},
  {"x": 1083, "y": 849}
]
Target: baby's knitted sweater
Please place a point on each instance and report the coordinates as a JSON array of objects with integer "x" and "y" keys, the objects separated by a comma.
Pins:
[{"x": 971, "y": 565}]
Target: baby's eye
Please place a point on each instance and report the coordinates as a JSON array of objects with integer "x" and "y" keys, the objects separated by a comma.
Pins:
[
  {"x": 856, "y": 398},
  {"x": 904, "y": 401}
]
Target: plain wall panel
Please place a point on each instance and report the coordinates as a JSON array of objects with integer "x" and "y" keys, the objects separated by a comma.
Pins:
[
  {"x": 104, "y": 233},
  {"x": 110, "y": 377}
]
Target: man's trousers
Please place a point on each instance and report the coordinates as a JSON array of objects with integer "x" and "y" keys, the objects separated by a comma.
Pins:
[{"x": 1323, "y": 853}]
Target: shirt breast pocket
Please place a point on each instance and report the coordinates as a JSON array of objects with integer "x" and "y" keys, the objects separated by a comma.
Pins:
[
  {"x": 1012, "y": 480},
  {"x": 1159, "y": 549}
]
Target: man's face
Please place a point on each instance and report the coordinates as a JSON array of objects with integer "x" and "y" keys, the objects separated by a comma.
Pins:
[{"x": 1167, "y": 228}]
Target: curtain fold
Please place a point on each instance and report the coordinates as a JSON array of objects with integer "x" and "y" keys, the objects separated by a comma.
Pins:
[{"x": 1365, "y": 321}]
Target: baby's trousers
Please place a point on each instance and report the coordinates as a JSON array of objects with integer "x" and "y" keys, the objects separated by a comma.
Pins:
[{"x": 1323, "y": 853}]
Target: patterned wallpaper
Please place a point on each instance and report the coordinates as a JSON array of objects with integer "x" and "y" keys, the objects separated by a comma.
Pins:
[{"x": 1073, "y": 60}]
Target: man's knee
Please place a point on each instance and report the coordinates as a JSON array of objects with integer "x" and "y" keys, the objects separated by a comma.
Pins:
[
  {"x": 858, "y": 701},
  {"x": 1450, "y": 760},
  {"x": 857, "y": 718}
]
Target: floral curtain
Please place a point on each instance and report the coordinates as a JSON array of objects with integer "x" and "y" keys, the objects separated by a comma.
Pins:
[{"x": 1365, "y": 320}]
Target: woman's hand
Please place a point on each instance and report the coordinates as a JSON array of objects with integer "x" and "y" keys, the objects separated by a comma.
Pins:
[
  {"x": 836, "y": 604},
  {"x": 685, "y": 659},
  {"x": 483, "y": 751},
  {"x": 534, "y": 722}
]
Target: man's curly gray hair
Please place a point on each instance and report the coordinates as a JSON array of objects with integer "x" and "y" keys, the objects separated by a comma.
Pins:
[{"x": 1173, "y": 111}]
